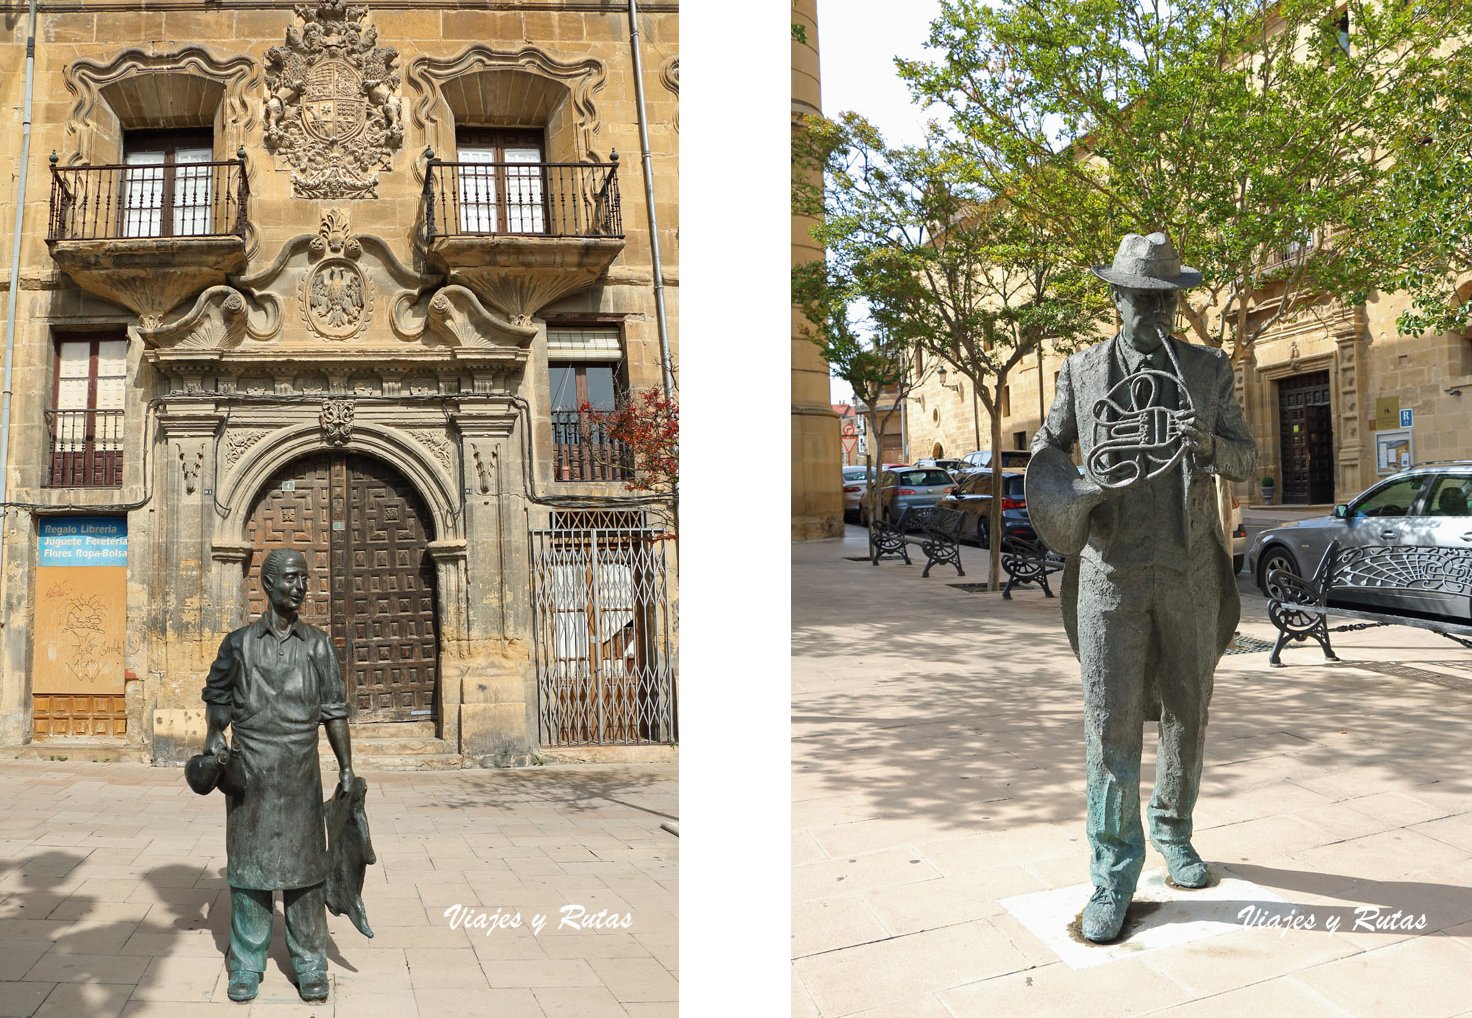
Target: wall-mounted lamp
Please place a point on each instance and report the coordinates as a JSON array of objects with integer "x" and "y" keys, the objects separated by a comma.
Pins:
[{"x": 941, "y": 374}]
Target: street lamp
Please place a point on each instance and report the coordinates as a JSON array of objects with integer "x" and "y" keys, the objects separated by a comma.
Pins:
[{"x": 941, "y": 373}]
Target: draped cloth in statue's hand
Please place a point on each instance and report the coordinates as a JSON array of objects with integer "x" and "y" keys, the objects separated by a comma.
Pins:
[{"x": 349, "y": 853}]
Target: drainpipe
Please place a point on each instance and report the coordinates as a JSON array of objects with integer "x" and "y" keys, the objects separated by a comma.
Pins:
[
  {"x": 664, "y": 336},
  {"x": 20, "y": 214}
]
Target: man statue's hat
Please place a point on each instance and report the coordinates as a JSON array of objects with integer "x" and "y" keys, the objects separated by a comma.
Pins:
[{"x": 1147, "y": 263}]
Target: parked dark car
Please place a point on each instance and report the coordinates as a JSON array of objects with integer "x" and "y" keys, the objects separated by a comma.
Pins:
[
  {"x": 905, "y": 488},
  {"x": 981, "y": 459},
  {"x": 1425, "y": 506},
  {"x": 974, "y": 498}
]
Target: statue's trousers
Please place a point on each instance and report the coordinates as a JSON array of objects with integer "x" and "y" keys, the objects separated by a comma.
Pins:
[
  {"x": 306, "y": 929},
  {"x": 1143, "y": 621}
]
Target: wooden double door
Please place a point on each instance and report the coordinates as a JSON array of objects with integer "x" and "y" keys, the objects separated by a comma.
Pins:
[
  {"x": 365, "y": 532},
  {"x": 1306, "y": 439}
]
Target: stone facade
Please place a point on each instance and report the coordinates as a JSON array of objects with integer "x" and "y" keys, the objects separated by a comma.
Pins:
[
  {"x": 1358, "y": 350},
  {"x": 332, "y": 298}
]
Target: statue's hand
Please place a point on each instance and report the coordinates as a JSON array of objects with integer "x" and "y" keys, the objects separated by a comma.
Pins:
[
  {"x": 1201, "y": 442},
  {"x": 345, "y": 780},
  {"x": 214, "y": 744}
]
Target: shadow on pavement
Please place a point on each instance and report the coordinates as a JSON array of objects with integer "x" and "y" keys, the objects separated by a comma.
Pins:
[
  {"x": 917, "y": 701},
  {"x": 575, "y": 787}
]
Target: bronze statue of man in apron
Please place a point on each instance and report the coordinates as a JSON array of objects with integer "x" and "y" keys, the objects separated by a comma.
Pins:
[{"x": 273, "y": 682}]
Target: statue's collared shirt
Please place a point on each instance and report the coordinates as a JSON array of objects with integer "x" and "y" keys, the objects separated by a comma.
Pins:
[{"x": 280, "y": 685}]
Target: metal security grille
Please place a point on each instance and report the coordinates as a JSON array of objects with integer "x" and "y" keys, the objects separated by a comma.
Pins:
[{"x": 604, "y": 645}]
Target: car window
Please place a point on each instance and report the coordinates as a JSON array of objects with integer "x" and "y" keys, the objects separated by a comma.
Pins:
[
  {"x": 922, "y": 478},
  {"x": 1014, "y": 485},
  {"x": 1395, "y": 499},
  {"x": 978, "y": 484},
  {"x": 1450, "y": 495},
  {"x": 855, "y": 473},
  {"x": 1015, "y": 458}
]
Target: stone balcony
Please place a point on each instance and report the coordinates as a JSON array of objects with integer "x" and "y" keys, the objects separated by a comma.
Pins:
[
  {"x": 149, "y": 237},
  {"x": 522, "y": 235}
]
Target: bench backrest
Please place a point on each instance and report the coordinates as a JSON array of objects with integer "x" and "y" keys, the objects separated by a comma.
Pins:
[
  {"x": 1398, "y": 567},
  {"x": 946, "y": 523}
]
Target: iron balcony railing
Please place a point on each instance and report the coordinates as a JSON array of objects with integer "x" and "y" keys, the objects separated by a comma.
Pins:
[
  {"x": 524, "y": 199},
  {"x": 149, "y": 201},
  {"x": 583, "y": 450},
  {"x": 86, "y": 448}
]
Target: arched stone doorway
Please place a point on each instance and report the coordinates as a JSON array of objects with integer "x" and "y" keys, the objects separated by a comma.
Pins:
[{"x": 366, "y": 533}]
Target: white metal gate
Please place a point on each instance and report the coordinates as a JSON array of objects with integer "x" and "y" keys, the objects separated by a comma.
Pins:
[{"x": 604, "y": 651}]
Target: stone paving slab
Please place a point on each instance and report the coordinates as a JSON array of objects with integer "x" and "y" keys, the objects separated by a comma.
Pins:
[
  {"x": 937, "y": 771},
  {"x": 1161, "y": 916},
  {"x": 113, "y": 900}
]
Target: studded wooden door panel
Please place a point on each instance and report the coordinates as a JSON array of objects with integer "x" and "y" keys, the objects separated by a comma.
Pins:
[
  {"x": 294, "y": 511},
  {"x": 389, "y": 595},
  {"x": 365, "y": 534}
]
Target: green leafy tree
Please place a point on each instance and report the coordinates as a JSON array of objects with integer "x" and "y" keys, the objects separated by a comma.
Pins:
[
  {"x": 874, "y": 363},
  {"x": 940, "y": 265},
  {"x": 1416, "y": 223},
  {"x": 1246, "y": 131}
]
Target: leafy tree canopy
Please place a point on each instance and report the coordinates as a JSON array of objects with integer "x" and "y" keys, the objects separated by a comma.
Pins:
[{"x": 1243, "y": 130}]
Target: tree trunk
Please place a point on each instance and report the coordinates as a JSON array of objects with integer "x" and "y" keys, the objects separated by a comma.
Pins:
[
  {"x": 994, "y": 527},
  {"x": 871, "y": 490}
]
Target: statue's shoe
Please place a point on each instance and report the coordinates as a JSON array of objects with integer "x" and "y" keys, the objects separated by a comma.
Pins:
[
  {"x": 243, "y": 986},
  {"x": 1185, "y": 865},
  {"x": 1104, "y": 915},
  {"x": 312, "y": 989}
]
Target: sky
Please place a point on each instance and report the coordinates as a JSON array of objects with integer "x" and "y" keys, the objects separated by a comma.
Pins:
[{"x": 857, "y": 43}]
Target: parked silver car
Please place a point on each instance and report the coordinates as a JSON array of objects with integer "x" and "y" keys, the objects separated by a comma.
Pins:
[
  {"x": 905, "y": 488},
  {"x": 1425, "y": 506},
  {"x": 953, "y": 467},
  {"x": 855, "y": 480}
]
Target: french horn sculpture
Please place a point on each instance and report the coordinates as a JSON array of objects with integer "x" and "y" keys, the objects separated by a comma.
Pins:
[{"x": 1137, "y": 437}]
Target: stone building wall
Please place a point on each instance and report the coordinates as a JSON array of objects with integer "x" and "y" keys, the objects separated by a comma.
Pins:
[
  {"x": 335, "y": 324},
  {"x": 817, "y": 492}
]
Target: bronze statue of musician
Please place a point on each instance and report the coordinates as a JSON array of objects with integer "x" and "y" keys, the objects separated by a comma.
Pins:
[{"x": 1149, "y": 598}]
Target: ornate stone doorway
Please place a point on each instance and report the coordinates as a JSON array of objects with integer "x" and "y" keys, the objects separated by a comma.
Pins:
[{"x": 365, "y": 532}]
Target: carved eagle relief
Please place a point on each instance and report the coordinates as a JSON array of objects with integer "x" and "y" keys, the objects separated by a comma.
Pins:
[{"x": 337, "y": 296}]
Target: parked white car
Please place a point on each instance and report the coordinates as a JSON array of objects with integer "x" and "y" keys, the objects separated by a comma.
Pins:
[{"x": 1239, "y": 537}]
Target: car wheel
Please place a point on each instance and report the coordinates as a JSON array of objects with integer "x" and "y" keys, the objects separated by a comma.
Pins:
[
  {"x": 1237, "y": 561},
  {"x": 982, "y": 541},
  {"x": 1275, "y": 557}
]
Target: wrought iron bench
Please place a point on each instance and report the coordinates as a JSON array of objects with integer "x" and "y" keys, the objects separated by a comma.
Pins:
[
  {"x": 936, "y": 531},
  {"x": 1028, "y": 562},
  {"x": 1300, "y": 608}
]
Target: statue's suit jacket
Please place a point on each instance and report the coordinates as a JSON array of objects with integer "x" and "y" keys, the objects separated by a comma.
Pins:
[{"x": 1086, "y": 378}]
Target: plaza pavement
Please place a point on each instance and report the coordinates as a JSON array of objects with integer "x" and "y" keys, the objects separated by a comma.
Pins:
[
  {"x": 113, "y": 898},
  {"x": 938, "y": 769}
]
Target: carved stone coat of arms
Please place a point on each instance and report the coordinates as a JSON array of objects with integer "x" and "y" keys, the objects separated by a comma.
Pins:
[{"x": 332, "y": 110}]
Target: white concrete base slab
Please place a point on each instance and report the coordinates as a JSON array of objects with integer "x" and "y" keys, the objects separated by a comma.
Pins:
[{"x": 1178, "y": 916}]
